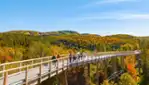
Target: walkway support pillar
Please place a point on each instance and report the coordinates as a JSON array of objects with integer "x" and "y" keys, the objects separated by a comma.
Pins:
[
  {"x": 114, "y": 61},
  {"x": 139, "y": 62},
  {"x": 66, "y": 82},
  {"x": 97, "y": 66},
  {"x": 88, "y": 70},
  {"x": 122, "y": 62},
  {"x": 106, "y": 67}
]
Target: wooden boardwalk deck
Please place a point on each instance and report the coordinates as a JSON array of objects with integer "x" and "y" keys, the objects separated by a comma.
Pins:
[{"x": 35, "y": 73}]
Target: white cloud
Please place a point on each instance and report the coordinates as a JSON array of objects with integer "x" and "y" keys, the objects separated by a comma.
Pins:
[
  {"x": 115, "y": 16},
  {"x": 136, "y": 16},
  {"x": 100, "y": 2},
  {"x": 113, "y": 1}
]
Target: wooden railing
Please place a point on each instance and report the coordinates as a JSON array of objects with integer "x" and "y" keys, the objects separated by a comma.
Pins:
[
  {"x": 28, "y": 64},
  {"x": 13, "y": 68}
]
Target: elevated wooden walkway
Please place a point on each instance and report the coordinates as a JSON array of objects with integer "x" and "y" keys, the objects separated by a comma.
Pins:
[{"x": 34, "y": 71}]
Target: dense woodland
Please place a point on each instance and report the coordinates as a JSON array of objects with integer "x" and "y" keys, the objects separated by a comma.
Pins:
[{"x": 21, "y": 45}]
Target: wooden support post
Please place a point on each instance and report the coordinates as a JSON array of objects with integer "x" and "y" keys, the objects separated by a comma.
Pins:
[
  {"x": 20, "y": 67},
  {"x": 101, "y": 64},
  {"x": 122, "y": 62},
  {"x": 139, "y": 62},
  {"x": 105, "y": 68},
  {"x": 26, "y": 76},
  {"x": 63, "y": 66},
  {"x": 83, "y": 62},
  {"x": 40, "y": 73},
  {"x": 77, "y": 62},
  {"x": 67, "y": 63},
  {"x": 4, "y": 67},
  {"x": 97, "y": 67},
  {"x": 50, "y": 69},
  {"x": 32, "y": 63},
  {"x": 5, "y": 78},
  {"x": 57, "y": 67},
  {"x": 114, "y": 64},
  {"x": 139, "y": 66},
  {"x": 88, "y": 70},
  {"x": 66, "y": 82}
]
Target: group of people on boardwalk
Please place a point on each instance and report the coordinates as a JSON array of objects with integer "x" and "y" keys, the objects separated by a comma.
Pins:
[
  {"x": 73, "y": 56},
  {"x": 76, "y": 57}
]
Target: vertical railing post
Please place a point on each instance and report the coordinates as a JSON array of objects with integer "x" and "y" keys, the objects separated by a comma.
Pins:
[
  {"x": 50, "y": 68},
  {"x": 57, "y": 67},
  {"x": 40, "y": 72},
  {"x": 32, "y": 63},
  {"x": 20, "y": 66},
  {"x": 77, "y": 62},
  {"x": 5, "y": 78},
  {"x": 68, "y": 63},
  {"x": 63, "y": 66},
  {"x": 26, "y": 76},
  {"x": 4, "y": 67},
  {"x": 88, "y": 59},
  {"x": 83, "y": 62}
]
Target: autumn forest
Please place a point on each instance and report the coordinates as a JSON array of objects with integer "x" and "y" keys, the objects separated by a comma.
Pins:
[{"x": 22, "y": 45}]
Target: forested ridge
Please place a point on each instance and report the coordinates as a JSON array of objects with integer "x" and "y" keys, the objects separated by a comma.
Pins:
[{"x": 22, "y": 45}]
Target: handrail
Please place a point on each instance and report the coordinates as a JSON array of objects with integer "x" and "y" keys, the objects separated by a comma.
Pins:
[
  {"x": 26, "y": 60},
  {"x": 15, "y": 62},
  {"x": 47, "y": 60},
  {"x": 32, "y": 65}
]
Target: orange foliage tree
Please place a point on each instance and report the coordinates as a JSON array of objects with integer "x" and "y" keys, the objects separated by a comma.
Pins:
[
  {"x": 130, "y": 63},
  {"x": 4, "y": 55}
]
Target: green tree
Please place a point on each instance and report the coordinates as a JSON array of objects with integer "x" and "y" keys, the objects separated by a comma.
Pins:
[
  {"x": 36, "y": 50},
  {"x": 126, "y": 79}
]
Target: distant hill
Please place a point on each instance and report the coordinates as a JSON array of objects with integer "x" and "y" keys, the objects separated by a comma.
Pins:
[
  {"x": 69, "y": 32},
  {"x": 122, "y": 36},
  {"x": 64, "y": 32},
  {"x": 57, "y": 33}
]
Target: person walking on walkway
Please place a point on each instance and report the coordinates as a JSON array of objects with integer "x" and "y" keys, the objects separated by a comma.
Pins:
[
  {"x": 74, "y": 58},
  {"x": 78, "y": 56},
  {"x": 58, "y": 56},
  {"x": 74, "y": 55},
  {"x": 70, "y": 56},
  {"x": 81, "y": 55},
  {"x": 54, "y": 60}
]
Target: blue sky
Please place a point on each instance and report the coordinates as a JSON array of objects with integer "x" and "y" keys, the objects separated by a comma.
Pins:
[{"x": 102, "y": 17}]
